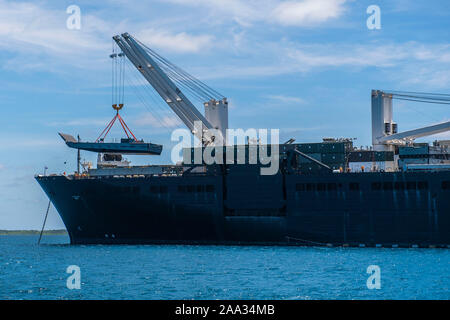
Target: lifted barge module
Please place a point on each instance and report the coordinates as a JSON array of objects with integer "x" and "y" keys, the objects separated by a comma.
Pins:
[{"x": 126, "y": 146}]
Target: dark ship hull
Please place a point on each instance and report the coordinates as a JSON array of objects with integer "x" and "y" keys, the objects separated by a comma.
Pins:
[{"x": 240, "y": 206}]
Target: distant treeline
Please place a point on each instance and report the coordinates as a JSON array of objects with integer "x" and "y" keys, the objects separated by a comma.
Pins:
[{"x": 32, "y": 232}]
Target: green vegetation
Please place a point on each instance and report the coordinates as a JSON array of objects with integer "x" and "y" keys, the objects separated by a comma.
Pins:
[{"x": 61, "y": 232}]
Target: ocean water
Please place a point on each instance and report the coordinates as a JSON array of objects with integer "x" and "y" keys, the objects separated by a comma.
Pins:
[{"x": 29, "y": 271}]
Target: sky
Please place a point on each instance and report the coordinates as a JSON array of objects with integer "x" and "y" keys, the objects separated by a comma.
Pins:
[{"x": 306, "y": 67}]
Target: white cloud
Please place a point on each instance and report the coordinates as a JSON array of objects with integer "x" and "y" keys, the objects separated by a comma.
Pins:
[
  {"x": 39, "y": 39},
  {"x": 81, "y": 122},
  {"x": 408, "y": 63},
  {"x": 307, "y": 12},
  {"x": 178, "y": 42},
  {"x": 360, "y": 55},
  {"x": 286, "y": 99},
  {"x": 433, "y": 76},
  {"x": 157, "y": 122},
  {"x": 24, "y": 25},
  {"x": 247, "y": 12},
  {"x": 243, "y": 12}
]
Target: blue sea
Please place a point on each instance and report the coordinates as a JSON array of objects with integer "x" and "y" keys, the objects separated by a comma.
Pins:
[{"x": 29, "y": 271}]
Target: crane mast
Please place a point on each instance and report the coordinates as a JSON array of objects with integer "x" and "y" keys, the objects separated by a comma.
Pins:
[
  {"x": 385, "y": 133},
  {"x": 198, "y": 124}
]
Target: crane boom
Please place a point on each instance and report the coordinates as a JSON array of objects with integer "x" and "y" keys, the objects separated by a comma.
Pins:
[
  {"x": 165, "y": 87},
  {"x": 385, "y": 131},
  {"x": 417, "y": 133}
]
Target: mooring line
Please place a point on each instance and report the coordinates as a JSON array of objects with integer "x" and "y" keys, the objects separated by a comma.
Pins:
[{"x": 45, "y": 220}]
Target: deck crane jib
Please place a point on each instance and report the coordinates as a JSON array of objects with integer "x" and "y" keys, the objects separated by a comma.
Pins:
[
  {"x": 385, "y": 133},
  {"x": 166, "y": 79}
]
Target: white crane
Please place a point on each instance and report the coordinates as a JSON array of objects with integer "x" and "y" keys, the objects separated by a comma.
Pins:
[
  {"x": 151, "y": 66},
  {"x": 384, "y": 130}
]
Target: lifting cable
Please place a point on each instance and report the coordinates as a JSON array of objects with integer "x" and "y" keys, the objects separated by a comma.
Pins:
[
  {"x": 436, "y": 98},
  {"x": 143, "y": 89},
  {"x": 191, "y": 81},
  {"x": 117, "y": 93},
  {"x": 423, "y": 97}
]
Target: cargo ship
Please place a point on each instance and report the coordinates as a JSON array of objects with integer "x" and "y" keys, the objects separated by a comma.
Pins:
[{"x": 395, "y": 193}]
